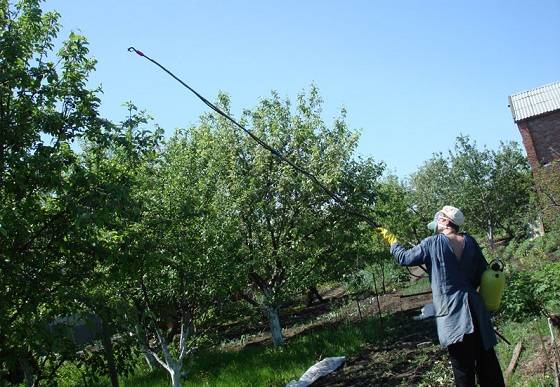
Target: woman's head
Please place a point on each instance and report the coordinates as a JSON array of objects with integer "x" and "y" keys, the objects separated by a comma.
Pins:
[{"x": 448, "y": 217}]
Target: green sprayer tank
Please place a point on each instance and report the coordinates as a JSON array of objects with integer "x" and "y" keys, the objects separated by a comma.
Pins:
[{"x": 492, "y": 285}]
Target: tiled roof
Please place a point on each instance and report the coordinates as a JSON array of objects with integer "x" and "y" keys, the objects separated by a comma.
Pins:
[{"x": 535, "y": 102}]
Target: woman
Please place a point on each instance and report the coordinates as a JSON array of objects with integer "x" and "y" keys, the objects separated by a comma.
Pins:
[{"x": 455, "y": 265}]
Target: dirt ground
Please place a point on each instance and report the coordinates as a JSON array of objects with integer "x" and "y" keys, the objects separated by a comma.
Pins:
[
  {"x": 410, "y": 355},
  {"x": 401, "y": 359},
  {"x": 398, "y": 361}
]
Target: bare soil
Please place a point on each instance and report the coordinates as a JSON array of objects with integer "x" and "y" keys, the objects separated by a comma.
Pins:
[{"x": 400, "y": 360}]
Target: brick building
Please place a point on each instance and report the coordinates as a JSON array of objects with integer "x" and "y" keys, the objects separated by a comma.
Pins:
[{"x": 537, "y": 115}]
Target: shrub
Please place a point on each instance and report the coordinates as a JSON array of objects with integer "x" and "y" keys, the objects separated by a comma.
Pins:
[
  {"x": 552, "y": 244},
  {"x": 533, "y": 253},
  {"x": 518, "y": 301},
  {"x": 547, "y": 286},
  {"x": 527, "y": 293}
]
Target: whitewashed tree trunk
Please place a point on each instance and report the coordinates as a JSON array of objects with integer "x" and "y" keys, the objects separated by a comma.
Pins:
[
  {"x": 176, "y": 375},
  {"x": 275, "y": 327},
  {"x": 490, "y": 235},
  {"x": 169, "y": 362}
]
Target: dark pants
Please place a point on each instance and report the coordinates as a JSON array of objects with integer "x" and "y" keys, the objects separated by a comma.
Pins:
[{"x": 468, "y": 358}]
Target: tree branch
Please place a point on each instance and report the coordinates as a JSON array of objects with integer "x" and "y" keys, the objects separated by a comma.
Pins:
[
  {"x": 158, "y": 359},
  {"x": 185, "y": 332},
  {"x": 250, "y": 300}
]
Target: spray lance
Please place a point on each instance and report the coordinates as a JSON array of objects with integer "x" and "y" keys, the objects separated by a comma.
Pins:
[{"x": 347, "y": 207}]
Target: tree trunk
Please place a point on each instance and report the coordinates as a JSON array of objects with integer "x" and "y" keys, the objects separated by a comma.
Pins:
[
  {"x": 359, "y": 309},
  {"x": 109, "y": 356},
  {"x": 175, "y": 372},
  {"x": 313, "y": 293},
  {"x": 275, "y": 327},
  {"x": 172, "y": 365},
  {"x": 377, "y": 299},
  {"x": 27, "y": 372},
  {"x": 490, "y": 235}
]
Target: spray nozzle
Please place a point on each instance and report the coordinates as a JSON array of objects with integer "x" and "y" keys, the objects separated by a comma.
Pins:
[{"x": 132, "y": 49}]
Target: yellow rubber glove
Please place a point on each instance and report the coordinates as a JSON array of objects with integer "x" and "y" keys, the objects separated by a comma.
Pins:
[{"x": 387, "y": 235}]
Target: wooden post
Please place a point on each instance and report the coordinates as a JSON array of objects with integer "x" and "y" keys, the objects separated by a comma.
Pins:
[
  {"x": 359, "y": 309},
  {"x": 513, "y": 361},
  {"x": 378, "y": 303},
  {"x": 555, "y": 352},
  {"x": 548, "y": 360}
]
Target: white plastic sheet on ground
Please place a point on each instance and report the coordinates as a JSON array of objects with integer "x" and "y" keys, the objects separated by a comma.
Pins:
[
  {"x": 426, "y": 312},
  {"x": 322, "y": 368}
]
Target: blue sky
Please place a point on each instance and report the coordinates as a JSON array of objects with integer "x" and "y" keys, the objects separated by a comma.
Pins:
[{"x": 412, "y": 75}]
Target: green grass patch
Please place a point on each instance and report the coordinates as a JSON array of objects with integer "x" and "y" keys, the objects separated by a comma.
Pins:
[
  {"x": 421, "y": 285},
  {"x": 528, "y": 332}
]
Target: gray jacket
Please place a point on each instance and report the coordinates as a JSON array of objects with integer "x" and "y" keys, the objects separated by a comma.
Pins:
[{"x": 454, "y": 282}]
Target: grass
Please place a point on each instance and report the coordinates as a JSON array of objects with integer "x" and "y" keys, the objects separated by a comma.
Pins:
[
  {"x": 265, "y": 366},
  {"x": 261, "y": 365},
  {"x": 416, "y": 287},
  {"x": 528, "y": 332}
]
